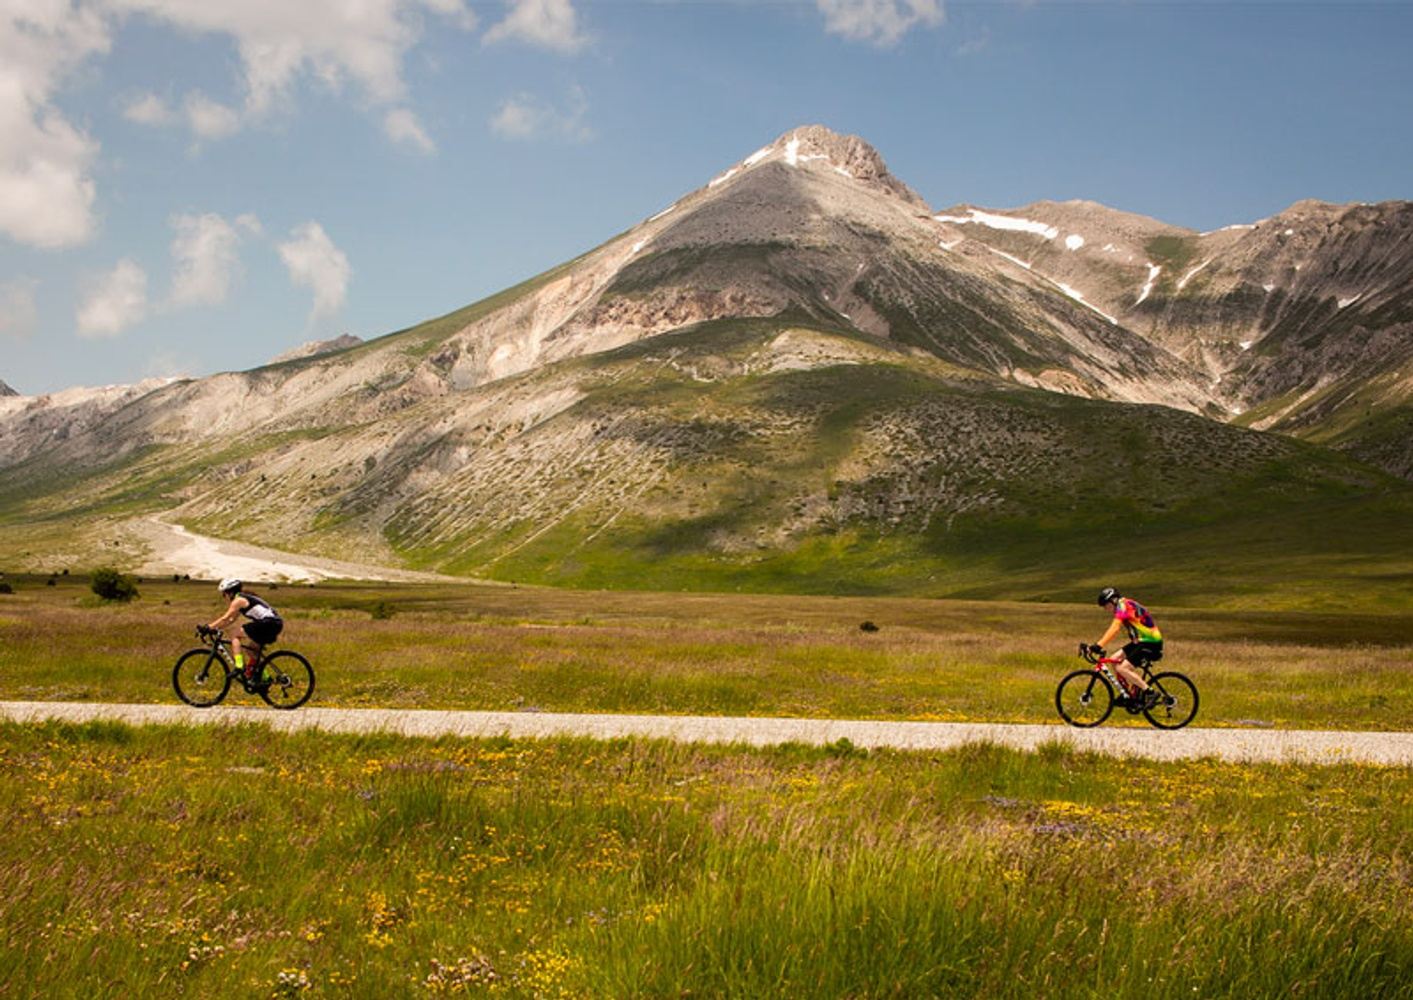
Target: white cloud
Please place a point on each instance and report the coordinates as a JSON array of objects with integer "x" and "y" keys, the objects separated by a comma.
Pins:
[
  {"x": 314, "y": 262},
  {"x": 46, "y": 192},
  {"x": 549, "y": 24},
  {"x": 114, "y": 302},
  {"x": 19, "y": 314},
  {"x": 978, "y": 43},
  {"x": 882, "y": 22},
  {"x": 205, "y": 259},
  {"x": 401, "y": 125},
  {"x": 210, "y": 119},
  {"x": 279, "y": 41},
  {"x": 525, "y": 116},
  {"x": 149, "y": 109}
]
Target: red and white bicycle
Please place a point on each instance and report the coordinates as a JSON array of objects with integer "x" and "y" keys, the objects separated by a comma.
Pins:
[{"x": 1086, "y": 697}]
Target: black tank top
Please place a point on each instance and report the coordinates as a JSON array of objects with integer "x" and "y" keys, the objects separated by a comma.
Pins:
[{"x": 257, "y": 610}]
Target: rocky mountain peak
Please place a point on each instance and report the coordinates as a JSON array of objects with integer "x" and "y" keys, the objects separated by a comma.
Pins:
[
  {"x": 821, "y": 147},
  {"x": 5, "y": 390}
]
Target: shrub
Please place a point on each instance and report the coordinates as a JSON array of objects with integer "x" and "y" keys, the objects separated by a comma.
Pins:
[
  {"x": 381, "y": 610},
  {"x": 5, "y": 588},
  {"x": 111, "y": 585}
]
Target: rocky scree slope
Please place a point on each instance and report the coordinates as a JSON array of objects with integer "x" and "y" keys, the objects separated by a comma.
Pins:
[{"x": 1301, "y": 323}]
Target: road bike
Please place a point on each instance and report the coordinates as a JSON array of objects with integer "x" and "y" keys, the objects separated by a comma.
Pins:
[
  {"x": 1087, "y": 696},
  {"x": 203, "y": 677}
]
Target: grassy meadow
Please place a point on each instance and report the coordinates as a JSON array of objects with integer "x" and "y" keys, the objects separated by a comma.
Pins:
[
  {"x": 235, "y": 862},
  {"x": 524, "y": 648}
]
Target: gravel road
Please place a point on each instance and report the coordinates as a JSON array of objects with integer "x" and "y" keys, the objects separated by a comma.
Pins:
[{"x": 1293, "y": 745}]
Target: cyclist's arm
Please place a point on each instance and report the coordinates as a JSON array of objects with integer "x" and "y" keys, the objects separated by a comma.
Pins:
[
  {"x": 1113, "y": 631},
  {"x": 232, "y": 613}
]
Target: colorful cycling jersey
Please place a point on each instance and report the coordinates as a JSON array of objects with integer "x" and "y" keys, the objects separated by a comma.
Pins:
[
  {"x": 1140, "y": 624},
  {"x": 257, "y": 610}
]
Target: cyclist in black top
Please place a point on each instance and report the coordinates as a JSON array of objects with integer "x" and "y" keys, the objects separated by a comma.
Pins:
[{"x": 262, "y": 627}]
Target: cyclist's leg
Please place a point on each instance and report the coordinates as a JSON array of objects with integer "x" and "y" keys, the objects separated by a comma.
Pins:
[
  {"x": 243, "y": 649},
  {"x": 1126, "y": 671},
  {"x": 258, "y": 635}
]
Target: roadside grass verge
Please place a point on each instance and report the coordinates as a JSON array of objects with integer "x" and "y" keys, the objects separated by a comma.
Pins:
[
  {"x": 504, "y": 648},
  {"x": 240, "y": 862}
]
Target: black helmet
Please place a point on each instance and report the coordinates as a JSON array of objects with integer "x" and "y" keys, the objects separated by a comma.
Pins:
[{"x": 1108, "y": 595}]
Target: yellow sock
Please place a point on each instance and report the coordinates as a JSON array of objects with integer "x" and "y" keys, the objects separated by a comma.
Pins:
[{"x": 240, "y": 661}]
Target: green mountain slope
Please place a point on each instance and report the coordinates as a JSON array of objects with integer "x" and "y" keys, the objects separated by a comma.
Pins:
[{"x": 779, "y": 455}]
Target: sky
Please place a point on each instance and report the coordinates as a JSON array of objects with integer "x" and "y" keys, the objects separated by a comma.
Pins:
[{"x": 193, "y": 186}]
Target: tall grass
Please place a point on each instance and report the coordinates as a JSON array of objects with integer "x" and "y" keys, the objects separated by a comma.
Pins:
[
  {"x": 151, "y": 862},
  {"x": 507, "y": 648}
]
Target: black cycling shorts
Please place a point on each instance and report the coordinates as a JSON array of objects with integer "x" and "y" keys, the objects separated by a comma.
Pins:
[
  {"x": 264, "y": 632},
  {"x": 1143, "y": 652}
]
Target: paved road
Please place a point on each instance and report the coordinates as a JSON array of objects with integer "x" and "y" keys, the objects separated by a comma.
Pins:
[{"x": 1229, "y": 744}]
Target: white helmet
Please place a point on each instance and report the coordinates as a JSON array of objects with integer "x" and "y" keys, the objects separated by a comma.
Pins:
[{"x": 228, "y": 584}]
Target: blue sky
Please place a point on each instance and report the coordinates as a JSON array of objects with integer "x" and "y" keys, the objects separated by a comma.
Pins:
[{"x": 189, "y": 186}]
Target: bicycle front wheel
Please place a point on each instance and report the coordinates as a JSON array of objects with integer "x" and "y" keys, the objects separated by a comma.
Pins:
[
  {"x": 1084, "y": 698},
  {"x": 200, "y": 678},
  {"x": 292, "y": 680},
  {"x": 1177, "y": 701}
]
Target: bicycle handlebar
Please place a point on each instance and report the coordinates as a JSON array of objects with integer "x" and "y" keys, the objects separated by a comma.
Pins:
[{"x": 1090, "y": 653}]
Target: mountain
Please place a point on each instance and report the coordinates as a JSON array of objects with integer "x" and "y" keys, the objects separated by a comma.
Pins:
[
  {"x": 313, "y": 347},
  {"x": 1301, "y": 323},
  {"x": 33, "y": 425},
  {"x": 798, "y": 376},
  {"x": 5, "y": 390}
]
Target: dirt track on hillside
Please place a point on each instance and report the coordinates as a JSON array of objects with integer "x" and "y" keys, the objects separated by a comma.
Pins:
[
  {"x": 174, "y": 549},
  {"x": 1252, "y": 745}
]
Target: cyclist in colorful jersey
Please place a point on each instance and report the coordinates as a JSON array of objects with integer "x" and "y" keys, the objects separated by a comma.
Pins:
[
  {"x": 262, "y": 627},
  {"x": 1145, "y": 643}
]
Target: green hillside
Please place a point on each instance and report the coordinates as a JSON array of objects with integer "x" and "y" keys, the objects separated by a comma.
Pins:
[{"x": 901, "y": 476}]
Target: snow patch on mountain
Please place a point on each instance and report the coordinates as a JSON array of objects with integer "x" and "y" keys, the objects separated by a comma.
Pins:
[
  {"x": 1074, "y": 241},
  {"x": 1013, "y": 260},
  {"x": 994, "y": 221},
  {"x": 1189, "y": 275},
  {"x": 1078, "y": 296},
  {"x": 1153, "y": 271}
]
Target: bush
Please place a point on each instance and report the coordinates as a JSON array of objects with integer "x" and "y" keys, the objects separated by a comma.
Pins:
[
  {"x": 5, "y": 588},
  {"x": 381, "y": 610},
  {"x": 111, "y": 585}
]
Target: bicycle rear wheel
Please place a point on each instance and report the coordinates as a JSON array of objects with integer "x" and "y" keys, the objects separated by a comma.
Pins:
[
  {"x": 1084, "y": 698},
  {"x": 200, "y": 678},
  {"x": 293, "y": 681},
  {"x": 1177, "y": 701}
]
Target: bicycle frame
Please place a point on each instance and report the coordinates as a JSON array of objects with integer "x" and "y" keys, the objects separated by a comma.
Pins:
[
  {"x": 217, "y": 640},
  {"x": 1105, "y": 665}
]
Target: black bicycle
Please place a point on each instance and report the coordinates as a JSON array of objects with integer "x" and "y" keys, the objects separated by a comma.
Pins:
[
  {"x": 203, "y": 677},
  {"x": 1086, "y": 697}
]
